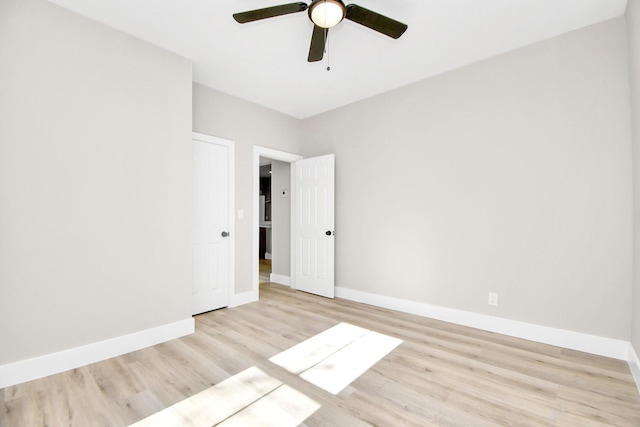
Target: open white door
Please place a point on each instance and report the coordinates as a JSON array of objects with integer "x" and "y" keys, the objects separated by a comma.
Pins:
[
  {"x": 314, "y": 187},
  {"x": 212, "y": 240}
]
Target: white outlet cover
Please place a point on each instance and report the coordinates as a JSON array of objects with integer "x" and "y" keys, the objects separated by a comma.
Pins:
[{"x": 493, "y": 299}]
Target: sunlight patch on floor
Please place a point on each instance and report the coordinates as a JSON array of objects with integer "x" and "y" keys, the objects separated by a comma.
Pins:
[
  {"x": 249, "y": 395},
  {"x": 314, "y": 350},
  {"x": 336, "y": 357},
  {"x": 283, "y": 407}
]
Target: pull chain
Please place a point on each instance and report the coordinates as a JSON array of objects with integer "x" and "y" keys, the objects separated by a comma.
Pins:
[{"x": 327, "y": 50}]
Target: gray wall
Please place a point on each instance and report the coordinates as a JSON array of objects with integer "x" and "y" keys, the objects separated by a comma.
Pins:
[
  {"x": 281, "y": 218},
  {"x": 247, "y": 124},
  {"x": 633, "y": 28},
  {"x": 512, "y": 175},
  {"x": 95, "y": 182}
]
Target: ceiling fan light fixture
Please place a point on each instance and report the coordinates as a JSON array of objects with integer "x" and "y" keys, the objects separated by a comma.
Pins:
[{"x": 327, "y": 13}]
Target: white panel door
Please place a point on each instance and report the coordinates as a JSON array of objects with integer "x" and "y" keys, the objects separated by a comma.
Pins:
[
  {"x": 211, "y": 239},
  {"x": 314, "y": 185}
]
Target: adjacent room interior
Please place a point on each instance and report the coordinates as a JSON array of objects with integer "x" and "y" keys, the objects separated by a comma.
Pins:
[
  {"x": 265, "y": 251},
  {"x": 486, "y": 214}
]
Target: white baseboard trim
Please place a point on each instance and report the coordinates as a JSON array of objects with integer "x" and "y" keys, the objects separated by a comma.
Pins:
[
  {"x": 280, "y": 279},
  {"x": 244, "y": 298},
  {"x": 42, "y": 366},
  {"x": 593, "y": 344},
  {"x": 634, "y": 365}
]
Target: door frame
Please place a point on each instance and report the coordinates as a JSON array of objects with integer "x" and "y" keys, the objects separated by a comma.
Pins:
[
  {"x": 231, "y": 158},
  {"x": 282, "y": 156}
]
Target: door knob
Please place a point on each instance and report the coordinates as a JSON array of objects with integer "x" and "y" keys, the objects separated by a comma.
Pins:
[
  {"x": 329, "y": 233},
  {"x": 224, "y": 234}
]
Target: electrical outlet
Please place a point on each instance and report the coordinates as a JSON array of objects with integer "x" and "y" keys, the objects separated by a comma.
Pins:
[{"x": 493, "y": 299}]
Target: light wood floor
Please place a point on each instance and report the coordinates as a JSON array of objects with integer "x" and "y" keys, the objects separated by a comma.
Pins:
[
  {"x": 441, "y": 375},
  {"x": 265, "y": 270}
]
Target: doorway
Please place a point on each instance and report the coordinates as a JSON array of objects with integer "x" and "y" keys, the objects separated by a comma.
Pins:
[
  {"x": 311, "y": 224},
  {"x": 272, "y": 217}
]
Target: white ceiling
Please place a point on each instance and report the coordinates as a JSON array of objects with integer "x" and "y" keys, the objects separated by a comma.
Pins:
[{"x": 266, "y": 61}]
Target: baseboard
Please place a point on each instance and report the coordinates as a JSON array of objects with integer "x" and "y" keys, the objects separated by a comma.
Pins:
[
  {"x": 280, "y": 279},
  {"x": 601, "y": 346},
  {"x": 38, "y": 367},
  {"x": 634, "y": 365},
  {"x": 244, "y": 298}
]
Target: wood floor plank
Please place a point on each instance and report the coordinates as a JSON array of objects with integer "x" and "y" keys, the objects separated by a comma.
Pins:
[{"x": 440, "y": 375}]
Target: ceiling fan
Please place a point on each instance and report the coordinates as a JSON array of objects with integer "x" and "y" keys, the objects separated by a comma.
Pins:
[{"x": 325, "y": 14}]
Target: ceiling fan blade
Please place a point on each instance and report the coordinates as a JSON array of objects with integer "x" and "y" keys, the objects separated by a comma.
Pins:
[
  {"x": 375, "y": 21},
  {"x": 269, "y": 12},
  {"x": 318, "y": 40}
]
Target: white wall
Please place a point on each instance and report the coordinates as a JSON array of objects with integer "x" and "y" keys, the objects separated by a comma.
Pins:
[
  {"x": 281, "y": 218},
  {"x": 247, "y": 124},
  {"x": 512, "y": 175},
  {"x": 633, "y": 29},
  {"x": 95, "y": 182}
]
